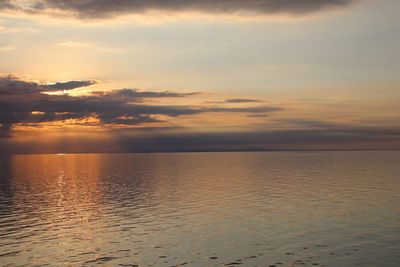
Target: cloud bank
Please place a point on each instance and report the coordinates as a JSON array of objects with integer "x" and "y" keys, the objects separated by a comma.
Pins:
[
  {"x": 27, "y": 102},
  {"x": 339, "y": 138},
  {"x": 110, "y": 8}
]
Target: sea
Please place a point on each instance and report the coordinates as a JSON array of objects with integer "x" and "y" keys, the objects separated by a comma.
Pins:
[{"x": 267, "y": 209}]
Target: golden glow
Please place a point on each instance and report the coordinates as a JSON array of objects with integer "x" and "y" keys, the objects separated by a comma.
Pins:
[
  {"x": 316, "y": 69},
  {"x": 62, "y": 188},
  {"x": 37, "y": 113}
]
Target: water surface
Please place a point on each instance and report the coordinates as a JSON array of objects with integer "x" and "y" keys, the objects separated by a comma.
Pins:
[{"x": 201, "y": 209}]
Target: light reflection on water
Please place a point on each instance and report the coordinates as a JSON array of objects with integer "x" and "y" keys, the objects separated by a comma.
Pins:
[{"x": 206, "y": 209}]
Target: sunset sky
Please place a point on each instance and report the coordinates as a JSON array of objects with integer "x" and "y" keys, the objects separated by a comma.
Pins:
[{"x": 191, "y": 75}]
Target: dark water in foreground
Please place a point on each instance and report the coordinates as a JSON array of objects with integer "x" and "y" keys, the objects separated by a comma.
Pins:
[{"x": 209, "y": 209}]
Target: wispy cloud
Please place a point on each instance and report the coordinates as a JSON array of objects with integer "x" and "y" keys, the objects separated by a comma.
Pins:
[
  {"x": 236, "y": 101},
  {"x": 88, "y": 45},
  {"x": 6, "y": 48},
  {"x": 15, "y": 29},
  {"x": 76, "y": 44}
]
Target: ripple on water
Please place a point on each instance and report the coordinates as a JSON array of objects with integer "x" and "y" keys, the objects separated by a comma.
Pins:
[{"x": 232, "y": 209}]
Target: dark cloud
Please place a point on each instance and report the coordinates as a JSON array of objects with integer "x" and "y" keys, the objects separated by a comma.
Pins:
[
  {"x": 257, "y": 116},
  {"x": 259, "y": 109},
  {"x": 24, "y": 102},
  {"x": 142, "y": 140},
  {"x": 11, "y": 85},
  {"x": 136, "y": 94},
  {"x": 241, "y": 100},
  {"x": 6, "y": 4},
  {"x": 108, "y": 8},
  {"x": 5, "y": 130},
  {"x": 313, "y": 124},
  {"x": 68, "y": 85},
  {"x": 236, "y": 101},
  {"x": 349, "y": 137},
  {"x": 140, "y": 119}
]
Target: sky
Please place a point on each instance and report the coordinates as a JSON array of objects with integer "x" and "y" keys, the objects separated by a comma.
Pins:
[{"x": 86, "y": 76}]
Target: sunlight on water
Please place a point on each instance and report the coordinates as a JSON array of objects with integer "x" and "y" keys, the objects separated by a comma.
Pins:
[{"x": 208, "y": 209}]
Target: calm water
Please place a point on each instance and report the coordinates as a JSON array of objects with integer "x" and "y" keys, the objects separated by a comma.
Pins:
[{"x": 209, "y": 209}]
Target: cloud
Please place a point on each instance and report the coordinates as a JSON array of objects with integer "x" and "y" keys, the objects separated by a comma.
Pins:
[
  {"x": 68, "y": 85},
  {"x": 128, "y": 140},
  {"x": 6, "y": 48},
  {"x": 89, "y": 45},
  {"x": 16, "y": 29},
  {"x": 312, "y": 135},
  {"x": 346, "y": 137},
  {"x": 6, "y": 4},
  {"x": 259, "y": 109},
  {"x": 136, "y": 94},
  {"x": 241, "y": 100},
  {"x": 76, "y": 44},
  {"x": 5, "y": 130},
  {"x": 235, "y": 101},
  {"x": 24, "y": 102},
  {"x": 11, "y": 85},
  {"x": 109, "y": 8},
  {"x": 257, "y": 116}
]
